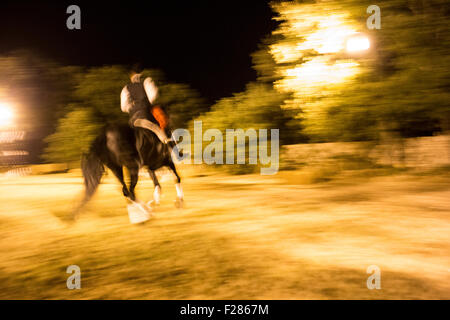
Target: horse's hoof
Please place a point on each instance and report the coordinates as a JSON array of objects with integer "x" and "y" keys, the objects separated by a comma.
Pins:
[
  {"x": 146, "y": 207},
  {"x": 179, "y": 203},
  {"x": 138, "y": 213}
]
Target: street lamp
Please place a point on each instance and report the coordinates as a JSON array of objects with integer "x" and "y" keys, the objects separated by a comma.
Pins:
[{"x": 6, "y": 114}]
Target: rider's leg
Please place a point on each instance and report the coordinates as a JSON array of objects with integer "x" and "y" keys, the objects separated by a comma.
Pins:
[{"x": 144, "y": 123}]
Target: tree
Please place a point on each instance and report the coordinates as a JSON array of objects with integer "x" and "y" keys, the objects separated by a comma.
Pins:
[
  {"x": 181, "y": 102},
  {"x": 258, "y": 107},
  {"x": 74, "y": 134},
  {"x": 400, "y": 85}
]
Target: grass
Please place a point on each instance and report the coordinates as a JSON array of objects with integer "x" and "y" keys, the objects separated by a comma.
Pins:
[{"x": 238, "y": 237}]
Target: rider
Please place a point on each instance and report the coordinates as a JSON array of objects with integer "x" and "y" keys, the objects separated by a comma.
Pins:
[{"x": 137, "y": 98}]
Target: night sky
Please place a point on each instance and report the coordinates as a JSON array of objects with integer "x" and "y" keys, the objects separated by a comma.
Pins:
[{"x": 206, "y": 44}]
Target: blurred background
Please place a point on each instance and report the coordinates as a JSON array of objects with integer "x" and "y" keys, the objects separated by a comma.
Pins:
[{"x": 364, "y": 121}]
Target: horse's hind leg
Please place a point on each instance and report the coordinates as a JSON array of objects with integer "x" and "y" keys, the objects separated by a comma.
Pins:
[
  {"x": 118, "y": 172},
  {"x": 180, "y": 196},
  {"x": 157, "y": 192}
]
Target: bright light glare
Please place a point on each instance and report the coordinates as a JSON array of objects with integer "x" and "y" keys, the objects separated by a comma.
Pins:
[
  {"x": 330, "y": 38},
  {"x": 358, "y": 43},
  {"x": 6, "y": 114},
  {"x": 310, "y": 77},
  {"x": 324, "y": 34}
]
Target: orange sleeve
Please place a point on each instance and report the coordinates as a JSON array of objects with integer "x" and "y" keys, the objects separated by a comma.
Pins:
[{"x": 160, "y": 116}]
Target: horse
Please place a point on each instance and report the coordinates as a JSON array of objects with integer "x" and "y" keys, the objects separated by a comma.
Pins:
[{"x": 117, "y": 147}]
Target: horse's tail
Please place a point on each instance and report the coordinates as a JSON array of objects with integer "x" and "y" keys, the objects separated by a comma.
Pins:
[{"x": 92, "y": 169}]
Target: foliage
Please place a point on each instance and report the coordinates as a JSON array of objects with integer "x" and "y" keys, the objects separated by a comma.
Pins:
[
  {"x": 76, "y": 130},
  {"x": 181, "y": 102},
  {"x": 258, "y": 107},
  {"x": 401, "y": 85}
]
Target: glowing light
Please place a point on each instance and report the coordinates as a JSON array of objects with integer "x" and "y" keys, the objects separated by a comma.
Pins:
[
  {"x": 308, "y": 59},
  {"x": 6, "y": 114},
  {"x": 330, "y": 38},
  {"x": 316, "y": 73},
  {"x": 358, "y": 43},
  {"x": 285, "y": 53}
]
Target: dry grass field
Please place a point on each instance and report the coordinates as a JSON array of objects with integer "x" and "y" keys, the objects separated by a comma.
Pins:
[{"x": 238, "y": 237}]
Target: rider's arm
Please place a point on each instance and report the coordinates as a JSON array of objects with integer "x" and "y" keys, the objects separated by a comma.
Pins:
[
  {"x": 125, "y": 103},
  {"x": 150, "y": 89}
]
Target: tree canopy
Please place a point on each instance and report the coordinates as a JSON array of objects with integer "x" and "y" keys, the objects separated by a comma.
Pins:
[{"x": 400, "y": 83}]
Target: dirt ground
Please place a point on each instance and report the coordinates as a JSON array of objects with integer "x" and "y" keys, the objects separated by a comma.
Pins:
[{"x": 238, "y": 237}]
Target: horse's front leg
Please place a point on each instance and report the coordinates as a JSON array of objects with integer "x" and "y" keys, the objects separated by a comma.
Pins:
[
  {"x": 157, "y": 192},
  {"x": 180, "y": 195}
]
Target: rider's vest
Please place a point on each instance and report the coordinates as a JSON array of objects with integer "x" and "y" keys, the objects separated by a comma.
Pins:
[{"x": 141, "y": 106}]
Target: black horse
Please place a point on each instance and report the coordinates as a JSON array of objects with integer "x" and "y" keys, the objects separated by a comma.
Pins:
[{"x": 116, "y": 147}]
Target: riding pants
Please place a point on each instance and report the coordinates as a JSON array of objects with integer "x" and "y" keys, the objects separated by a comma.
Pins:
[{"x": 146, "y": 124}]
